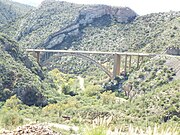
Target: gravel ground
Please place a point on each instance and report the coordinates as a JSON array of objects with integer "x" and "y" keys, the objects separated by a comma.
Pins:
[{"x": 32, "y": 129}]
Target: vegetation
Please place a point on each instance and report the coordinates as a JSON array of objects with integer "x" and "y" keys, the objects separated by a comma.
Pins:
[
  {"x": 21, "y": 75},
  {"x": 145, "y": 101},
  {"x": 158, "y": 107},
  {"x": 144, "y": 34},
  {"x": 10, "y": 11}
]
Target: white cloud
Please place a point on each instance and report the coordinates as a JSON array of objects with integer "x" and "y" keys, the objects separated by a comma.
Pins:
[{"x": 140, "y": 6}]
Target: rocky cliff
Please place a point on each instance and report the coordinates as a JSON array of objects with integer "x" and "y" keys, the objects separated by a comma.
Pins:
[
  {"x": 19, "y": 74},
  {"x": 97, "y": 16},
  {"x": 120, "y": 14},
  {"x": 173, "y": 50}
]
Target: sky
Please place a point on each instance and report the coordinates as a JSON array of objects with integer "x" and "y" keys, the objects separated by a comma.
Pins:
[{"x": 141, "y": 7}]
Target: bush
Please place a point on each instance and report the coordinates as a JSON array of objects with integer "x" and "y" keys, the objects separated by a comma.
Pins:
[
  {"x": 10, "y": 119},
  {"x": 92, "y": 90},
  {"x": 108, "y": 97},
  {"x": 99, "y": 130}
]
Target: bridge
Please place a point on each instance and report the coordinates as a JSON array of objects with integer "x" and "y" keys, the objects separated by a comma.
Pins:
[{"x": 117, "y": 56}]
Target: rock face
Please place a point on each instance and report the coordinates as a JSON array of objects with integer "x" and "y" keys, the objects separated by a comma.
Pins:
[
  {"x": 120, "y": 14},
  {"x": 97, "y": 16},
  {"x": 18, "y": 75},
  {"x": 173, "y": 51}
]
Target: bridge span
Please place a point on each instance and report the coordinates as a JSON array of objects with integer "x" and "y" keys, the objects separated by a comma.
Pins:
[{"x": 117, "y": 56}]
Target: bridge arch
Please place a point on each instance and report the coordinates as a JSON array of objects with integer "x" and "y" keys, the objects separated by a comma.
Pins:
[{"x": 99, "y": 65}]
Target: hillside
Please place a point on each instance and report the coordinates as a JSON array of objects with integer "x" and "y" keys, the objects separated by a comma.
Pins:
[
  {"x": 48, "y": 18},
  {"x": 95, "y": 109},
  {"x": 63, "y": 25},
  {"x": 52, "y": 21},
  {"x": 72, "y": 91},
  {"x": 21, "y": 75},
  {"x": 110, "y": 28},
  {"x": 159, "y": 105},
  {"x": 10, "y": 11}
]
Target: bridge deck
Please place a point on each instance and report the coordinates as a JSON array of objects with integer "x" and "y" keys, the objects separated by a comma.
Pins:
[
  {"x": 90, "y": 52},
  {"x": 117, "y": 58}
]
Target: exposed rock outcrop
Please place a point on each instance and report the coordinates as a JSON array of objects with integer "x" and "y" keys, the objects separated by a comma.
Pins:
[
  {"x": 33, "y": 129},
  {"x": 173, "y": 50},
  {"x": 30, "y": 95},
  {"x": 97, "y": 16},
  {"x": 120, "y": 14},
  {"x": 174, "y": 63},
  {"x": 19, "y": 75}
]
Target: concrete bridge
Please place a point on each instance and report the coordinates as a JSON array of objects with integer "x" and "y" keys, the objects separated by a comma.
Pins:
[{"x": 117, "y": 56}]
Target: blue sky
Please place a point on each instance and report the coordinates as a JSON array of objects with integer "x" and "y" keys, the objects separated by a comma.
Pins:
[{"x": 141, "y": 7}]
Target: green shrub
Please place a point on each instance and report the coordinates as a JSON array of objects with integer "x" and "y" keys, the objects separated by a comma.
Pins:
[
  {"x": 10, "y": 119},
  {"x": 108, "y": 97},
  {"x": 98, "y": 130},
  {"x": 92, "y": 90}
]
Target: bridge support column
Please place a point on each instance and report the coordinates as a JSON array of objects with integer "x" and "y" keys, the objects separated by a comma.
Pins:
[
  {"x": 117, "y": 62},
  {"x": 142, "y": 59},
  {"x": 138, "y": 60},
  {"x": 125, "y": 66},
  {"x": 130, "y": 62},
  {"x": 37, "y": 56}
]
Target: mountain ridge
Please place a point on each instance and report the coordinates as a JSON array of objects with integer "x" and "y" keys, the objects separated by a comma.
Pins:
[
  {"x": 144, "y": 97},
  {"x": 10, "y": 11},
  {"x": 55, "y": 25},
  {"x": 92, "y": 16},
  {"x": 48, "y": 16}
]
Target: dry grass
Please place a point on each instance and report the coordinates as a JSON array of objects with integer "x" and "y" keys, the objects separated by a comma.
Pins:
[
  {"x": 101, "y": 126},
  {"x": 156, "y": 130}
]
